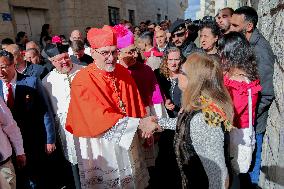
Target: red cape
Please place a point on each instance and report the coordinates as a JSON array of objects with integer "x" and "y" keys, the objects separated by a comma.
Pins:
[{"x": 94, "y": 108}]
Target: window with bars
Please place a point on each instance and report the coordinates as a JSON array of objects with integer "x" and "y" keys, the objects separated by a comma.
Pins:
[{"x": 113, "y": 14}]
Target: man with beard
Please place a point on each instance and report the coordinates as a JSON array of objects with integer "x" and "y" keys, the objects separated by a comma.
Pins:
[
  {"x": 104, "y": 113},
  {"x": 245, "y": 20},
  {"x": 180, "y": 38},
  {"x": 77, "y": 35},
  {"x": 223, "y": 19}
]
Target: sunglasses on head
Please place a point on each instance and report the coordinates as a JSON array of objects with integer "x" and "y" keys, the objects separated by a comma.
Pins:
[{"x": 6, "y": 54}]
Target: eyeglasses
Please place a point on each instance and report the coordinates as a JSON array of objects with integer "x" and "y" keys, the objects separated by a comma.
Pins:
[
  {"x": 107, "y": 53},
  {"x": 7, "y": 54},
  {"x": 181, "y": 34}
]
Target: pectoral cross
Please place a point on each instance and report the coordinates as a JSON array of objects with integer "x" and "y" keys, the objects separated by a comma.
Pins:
[
  {"x": 120, "y": 102},
  {"x": 122, "y": 106}
]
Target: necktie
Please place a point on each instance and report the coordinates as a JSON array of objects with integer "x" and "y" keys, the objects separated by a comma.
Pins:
[{"x": 10, "y": 97}]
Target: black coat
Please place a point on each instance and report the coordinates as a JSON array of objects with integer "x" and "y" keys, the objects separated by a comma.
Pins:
[
  {"x": 265, "y": 63},
  {"x": 175, "y": 96}
]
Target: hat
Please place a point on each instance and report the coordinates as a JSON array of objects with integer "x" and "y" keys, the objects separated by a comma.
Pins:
[
  {"x": 52, "y": 50},
  {"x": 177, "y": 25},
  {"x": 56, "y": 39},
  {"x": 103, "y": 37},
  {"x": 125, "y": 37}
]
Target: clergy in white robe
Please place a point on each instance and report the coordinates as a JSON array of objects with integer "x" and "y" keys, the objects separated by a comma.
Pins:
[
  {"x": 105, "y": 113},
  {"x": 57, "y": 84}
]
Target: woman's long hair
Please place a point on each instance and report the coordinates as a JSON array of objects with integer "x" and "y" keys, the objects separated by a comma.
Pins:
[
  {"x": 205, "y": 78},
  {"x": 236, "y": 52}
]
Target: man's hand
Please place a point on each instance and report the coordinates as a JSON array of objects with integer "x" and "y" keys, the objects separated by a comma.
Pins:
[
  {"x": 148, "y": 126},
  {"x": 169, "y": 105},
  {"x": 21, "y": 161},
  {"x": 49, "y": 148}
]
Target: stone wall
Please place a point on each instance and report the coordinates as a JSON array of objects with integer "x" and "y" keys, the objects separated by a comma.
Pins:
[
  {"x": 67, "y": 15},
  {"x": 271, "y": 24},
  {"x": 6, "y": 27}
]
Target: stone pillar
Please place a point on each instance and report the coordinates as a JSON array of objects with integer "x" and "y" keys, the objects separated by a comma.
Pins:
[{"x": 271, "y": 24}]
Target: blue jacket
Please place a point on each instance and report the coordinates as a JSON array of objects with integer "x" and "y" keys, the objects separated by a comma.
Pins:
[
  {"x": 36, "y": 70},
  {"x": 33, "y": 113}
]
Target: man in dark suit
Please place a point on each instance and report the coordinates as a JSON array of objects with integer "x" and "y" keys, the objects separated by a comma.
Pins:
[
  {"x": 26, "y": 98},
  {"x": 25, "y": 67}
]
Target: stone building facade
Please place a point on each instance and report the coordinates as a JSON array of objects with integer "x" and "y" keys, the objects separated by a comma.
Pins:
[{"x": 66, "y": 15}]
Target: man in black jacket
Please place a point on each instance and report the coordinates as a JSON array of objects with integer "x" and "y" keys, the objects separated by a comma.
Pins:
[
  {"x": 180, "y": 37},
  {"x": 245, "y": 20}
]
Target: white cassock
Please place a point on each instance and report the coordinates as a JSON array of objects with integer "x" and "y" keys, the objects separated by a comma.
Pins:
[
  {"x": 57, "y": 86},
  {"x": 114, "y": 159}
]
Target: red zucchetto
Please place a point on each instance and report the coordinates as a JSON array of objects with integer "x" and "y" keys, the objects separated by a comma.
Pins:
[{"x": 103, "y": 37}]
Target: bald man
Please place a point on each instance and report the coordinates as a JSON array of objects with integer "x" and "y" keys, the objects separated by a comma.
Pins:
[{"x": 77, "y": 35}]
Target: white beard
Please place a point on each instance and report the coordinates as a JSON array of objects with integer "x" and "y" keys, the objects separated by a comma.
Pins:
[{"x": 109, "y": 68}]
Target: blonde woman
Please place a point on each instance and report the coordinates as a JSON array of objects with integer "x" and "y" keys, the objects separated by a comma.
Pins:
[
  {"x": 201, "y": 129},
  {"x": 167, "y": 75}
]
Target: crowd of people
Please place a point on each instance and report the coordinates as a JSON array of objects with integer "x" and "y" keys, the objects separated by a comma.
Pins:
[{"x": 137, "y": 107}]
